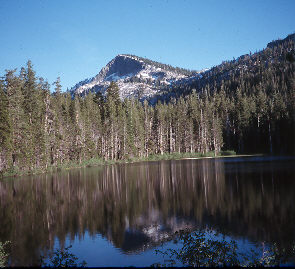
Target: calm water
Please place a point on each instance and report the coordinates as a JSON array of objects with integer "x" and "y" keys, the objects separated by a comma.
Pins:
[{"x": 118, "y": 215}]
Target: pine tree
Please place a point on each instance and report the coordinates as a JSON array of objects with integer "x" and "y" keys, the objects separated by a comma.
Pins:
[
  {"x": 29, "y": 104},
  {"x": 13, "y": 88},
  {"x": 40, "y": 119},
  {"x": 5, "y": 131},
  {"x": 113, "y": 105},
  {"x": 28, "y": 89},
  {"x": 47, "y": 120}
]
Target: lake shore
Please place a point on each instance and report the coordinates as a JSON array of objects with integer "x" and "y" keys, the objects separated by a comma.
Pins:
[
  {"x": 99, "y": 162},
  {"x": 224, "y": 156}
]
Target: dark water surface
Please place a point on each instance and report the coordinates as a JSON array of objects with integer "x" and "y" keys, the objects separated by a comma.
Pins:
[{"x": 118, "y": 215}]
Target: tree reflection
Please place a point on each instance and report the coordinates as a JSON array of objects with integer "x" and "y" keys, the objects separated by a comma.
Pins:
[{"x": 139, "y": 205}]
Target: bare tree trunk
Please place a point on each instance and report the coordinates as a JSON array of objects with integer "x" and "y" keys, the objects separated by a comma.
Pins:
[
  {"x": 170, "y": 138},
  {"x": 270, "y": 137}
]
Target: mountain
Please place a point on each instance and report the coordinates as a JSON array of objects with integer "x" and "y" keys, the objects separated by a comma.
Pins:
[
  {"x": 147, "y": 79},
  {"x": 135, "y": 76}
]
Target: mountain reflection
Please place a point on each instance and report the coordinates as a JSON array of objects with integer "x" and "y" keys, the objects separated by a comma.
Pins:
[{"x": 136, "y": 206}]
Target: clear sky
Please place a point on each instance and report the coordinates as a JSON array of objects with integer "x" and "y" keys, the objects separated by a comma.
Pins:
[{"x": 75, "y": 39}]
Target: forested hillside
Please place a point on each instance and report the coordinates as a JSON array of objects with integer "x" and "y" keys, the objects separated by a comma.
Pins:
[{"x": 249, "y": 110}]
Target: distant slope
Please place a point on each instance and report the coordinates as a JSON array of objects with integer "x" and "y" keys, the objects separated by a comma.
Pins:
[{"x": 248, "y": 68}]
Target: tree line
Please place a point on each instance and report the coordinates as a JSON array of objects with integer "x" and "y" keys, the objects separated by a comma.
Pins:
[{"x": 252, "y": 112}]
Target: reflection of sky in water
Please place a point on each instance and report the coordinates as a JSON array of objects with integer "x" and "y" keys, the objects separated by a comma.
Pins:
[{"x": 98, "y": 251}]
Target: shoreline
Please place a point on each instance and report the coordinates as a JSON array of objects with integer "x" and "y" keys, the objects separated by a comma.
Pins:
[
  {"x": 225, "y": 156},
  {"x": 99, "y": 162}
]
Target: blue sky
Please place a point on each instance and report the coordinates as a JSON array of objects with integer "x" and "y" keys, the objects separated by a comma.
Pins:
[{"x": 75, "y": 39}]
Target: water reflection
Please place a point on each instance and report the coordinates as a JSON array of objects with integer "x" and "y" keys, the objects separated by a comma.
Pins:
[{"x": 136, "y": 206}]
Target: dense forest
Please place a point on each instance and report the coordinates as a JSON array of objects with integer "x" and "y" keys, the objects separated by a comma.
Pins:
[{"x": 249, "y": 110}]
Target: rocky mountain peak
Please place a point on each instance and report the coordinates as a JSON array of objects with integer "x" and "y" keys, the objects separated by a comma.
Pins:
[
  {"x": 121, "y": 66},
  {"x": 134, "y": 75}
]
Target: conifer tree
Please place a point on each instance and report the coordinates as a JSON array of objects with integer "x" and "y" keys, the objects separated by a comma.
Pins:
[
  {"x": 12, "y": 85},
  {"x": 5, "y": 131},
  {"x": 29, "y": 105}
]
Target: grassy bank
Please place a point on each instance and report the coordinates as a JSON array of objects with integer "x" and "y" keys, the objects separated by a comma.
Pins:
[
  {"x": 98, "y": 161},
  {"x": 55, "y": 168}
]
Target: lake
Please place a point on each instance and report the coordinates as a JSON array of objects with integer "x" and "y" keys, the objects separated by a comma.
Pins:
[{"x": 118, "y": 215}]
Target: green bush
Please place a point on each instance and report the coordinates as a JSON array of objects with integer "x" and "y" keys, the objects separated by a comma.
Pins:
[
  {"x": 3, "y": 254},
  {"x": 62, "y": 258},
  {"x": 202, "y": 249},
  {"x": 12, "y": 171}
]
